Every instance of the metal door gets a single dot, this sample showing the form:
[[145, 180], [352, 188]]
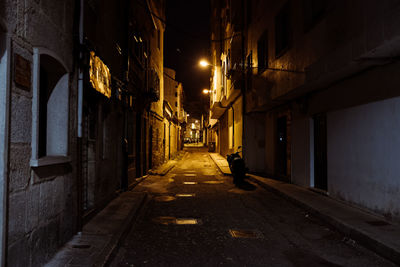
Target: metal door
[[320, 152]]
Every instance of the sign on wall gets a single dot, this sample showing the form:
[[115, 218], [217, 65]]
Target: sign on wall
[[100, 76]]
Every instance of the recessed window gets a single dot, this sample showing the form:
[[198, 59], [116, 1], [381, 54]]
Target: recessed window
[[282, 30], [51, 107], [262, 52]]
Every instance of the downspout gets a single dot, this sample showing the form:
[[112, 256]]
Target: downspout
[[243, 87], [80, 77], [80, 4], [125, 142], [6, 100], [233, 128]]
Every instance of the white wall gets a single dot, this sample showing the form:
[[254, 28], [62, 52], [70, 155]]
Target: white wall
[[57, 119], [364, 153]]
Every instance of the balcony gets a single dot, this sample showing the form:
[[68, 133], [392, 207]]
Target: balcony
[[217, 110]]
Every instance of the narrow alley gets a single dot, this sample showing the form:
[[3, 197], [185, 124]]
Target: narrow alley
[[199, 133], [195, 216]]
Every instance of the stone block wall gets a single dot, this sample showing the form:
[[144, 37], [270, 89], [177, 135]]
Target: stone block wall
[[42, 208], [158, 156]]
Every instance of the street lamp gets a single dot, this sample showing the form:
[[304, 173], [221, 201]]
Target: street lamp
[[204, 63], [206, 91]]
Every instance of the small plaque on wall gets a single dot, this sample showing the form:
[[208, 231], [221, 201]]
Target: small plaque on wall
[[22, 72]]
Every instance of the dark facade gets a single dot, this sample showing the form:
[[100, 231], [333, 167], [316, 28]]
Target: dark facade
[[38, 130], [309, 69], [79, 86]]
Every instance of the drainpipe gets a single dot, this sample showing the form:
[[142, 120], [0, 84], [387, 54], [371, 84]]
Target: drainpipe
[[243, 87], [80, 4], [233, 127], [80, 77], [4, 150]]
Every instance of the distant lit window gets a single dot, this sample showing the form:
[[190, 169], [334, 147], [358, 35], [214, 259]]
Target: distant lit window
[[262, 52], [313, 11], [282, 30]]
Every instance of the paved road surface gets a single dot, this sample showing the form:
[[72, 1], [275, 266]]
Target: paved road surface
[[274, 231]]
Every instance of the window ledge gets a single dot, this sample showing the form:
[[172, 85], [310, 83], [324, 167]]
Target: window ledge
[[49, 160]]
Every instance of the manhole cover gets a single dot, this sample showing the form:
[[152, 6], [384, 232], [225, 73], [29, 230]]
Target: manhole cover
[[189, 182], [378, 223], [245, 233], [213, 182], [168, 220], [187, 221], [164, 198], [185, 195]]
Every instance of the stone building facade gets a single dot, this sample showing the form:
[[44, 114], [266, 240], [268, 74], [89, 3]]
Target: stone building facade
[[104, 104], [173, 95], [226, 96], [319, 106], [81, 115], [39, 130]]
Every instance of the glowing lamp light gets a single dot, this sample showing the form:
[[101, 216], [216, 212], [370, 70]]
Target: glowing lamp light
[[206, 91], [204, 63]]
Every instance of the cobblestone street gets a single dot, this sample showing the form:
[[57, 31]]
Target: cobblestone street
[[195, 216]]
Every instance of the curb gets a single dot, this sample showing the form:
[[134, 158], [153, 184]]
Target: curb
[[166, 171], [161, 172], [112, 247], [219, 168], [354, 233]]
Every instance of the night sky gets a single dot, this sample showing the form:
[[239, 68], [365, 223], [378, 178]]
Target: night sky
[[187, 40]]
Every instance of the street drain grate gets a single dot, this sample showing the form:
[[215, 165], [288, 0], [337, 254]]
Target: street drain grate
[[164, 198], [168, 220], [245, 233], [213, 182], [185, 195], [189, 182], [378, 223]]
